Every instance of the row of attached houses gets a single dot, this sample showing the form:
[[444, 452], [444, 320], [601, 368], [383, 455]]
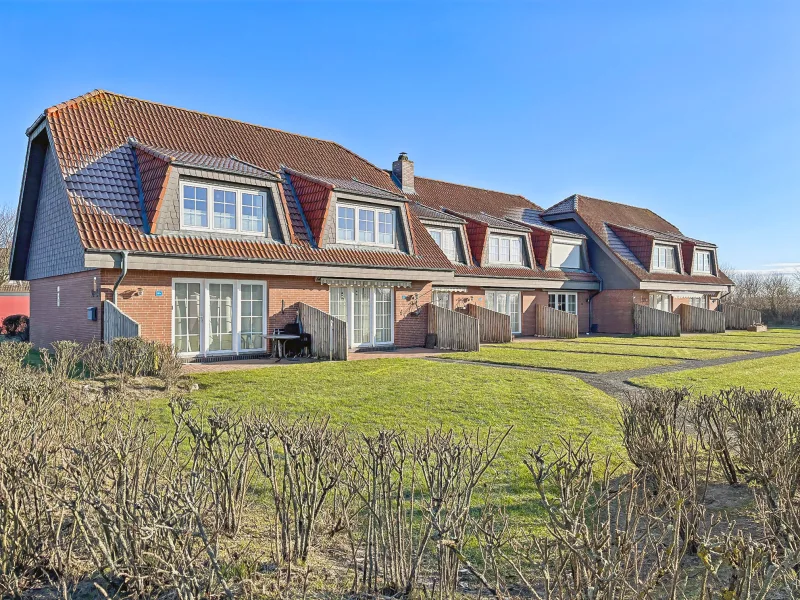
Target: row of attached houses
[[209, 232]]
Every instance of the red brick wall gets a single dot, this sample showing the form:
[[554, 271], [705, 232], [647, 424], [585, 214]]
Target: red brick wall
[[473, 295], [154, 313], [612, 310], [531, 298], [50, 322], [411, 315]]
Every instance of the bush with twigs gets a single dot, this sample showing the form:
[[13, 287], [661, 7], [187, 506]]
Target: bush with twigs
[[96, 495]]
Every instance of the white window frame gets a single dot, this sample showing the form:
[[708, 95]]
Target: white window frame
[[491, 304], [440, 294], [205, 321], [372, 318], [554, 301], [674, 253], [699, 301], [500, 239], [442, 231], [696, 268], [210, 187], [376, 210], [658, 298]]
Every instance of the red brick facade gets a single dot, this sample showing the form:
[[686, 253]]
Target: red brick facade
[[59, 305], [612, 310], [59, 309], [137, 298]]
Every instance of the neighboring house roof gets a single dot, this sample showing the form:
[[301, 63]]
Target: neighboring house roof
[[430, 214], [629, 232], [91, 137], [464, 198], [15, 287], [490, 221]]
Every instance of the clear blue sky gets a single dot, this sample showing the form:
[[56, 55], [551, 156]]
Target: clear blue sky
[[691, 109]]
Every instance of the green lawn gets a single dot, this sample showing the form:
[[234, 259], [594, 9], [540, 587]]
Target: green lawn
[[415, 394], [718, 341], [624, 349], [568, 361], [781, 372]]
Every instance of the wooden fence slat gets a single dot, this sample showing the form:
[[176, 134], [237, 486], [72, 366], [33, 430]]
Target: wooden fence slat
[[116, 324], [700, 320], [738, 317], [328, 334], [454, 330], [495, 327], [554, 323], [651, 321]]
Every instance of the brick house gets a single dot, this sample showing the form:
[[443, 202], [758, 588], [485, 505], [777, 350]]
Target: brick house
[[210, 231], [641, 259]]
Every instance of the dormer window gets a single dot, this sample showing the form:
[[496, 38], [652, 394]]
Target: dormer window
[[664, 258], [565, 253], [356, 224], [446, 240], [232, 210], [505, 249], [702, 261]]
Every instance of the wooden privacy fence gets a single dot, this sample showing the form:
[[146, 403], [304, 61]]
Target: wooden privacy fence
[[328, 334], [453, 330], [554, 323], [738, 317], [651, 321], [700, 320], [116, 324], [495, 327]]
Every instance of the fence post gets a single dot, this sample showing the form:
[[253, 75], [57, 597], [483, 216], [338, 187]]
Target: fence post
[[330, 340]]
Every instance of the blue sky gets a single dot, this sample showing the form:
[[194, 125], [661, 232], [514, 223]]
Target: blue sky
[[691, 109]]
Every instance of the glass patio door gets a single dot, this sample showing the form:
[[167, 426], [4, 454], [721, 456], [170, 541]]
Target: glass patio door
[[220, 317], [368, 312], [508, 303], [188, 297], [362, 322]]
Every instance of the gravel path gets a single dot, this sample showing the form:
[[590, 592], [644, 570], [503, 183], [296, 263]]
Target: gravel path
[[617, 383]]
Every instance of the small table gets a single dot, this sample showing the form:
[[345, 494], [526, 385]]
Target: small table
[[281, 339]]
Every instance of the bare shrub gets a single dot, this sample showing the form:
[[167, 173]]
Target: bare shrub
[[221, 453], [168, 365], [13, 354], [767, 429], [303, 460], [713, 421]]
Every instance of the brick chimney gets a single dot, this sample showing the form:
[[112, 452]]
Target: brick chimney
[[403, 170]]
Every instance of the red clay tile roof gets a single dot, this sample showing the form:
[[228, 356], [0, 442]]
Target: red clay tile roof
[[15, 287], [463, 198], [426, 212], [90, 136], [315, 200], [154, 175], [524, 273], [610, 220]]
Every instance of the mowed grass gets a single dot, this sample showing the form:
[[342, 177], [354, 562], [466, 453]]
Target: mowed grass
[[716, 341], [414, 394], [567, 361], [778, 372], [624, 349]]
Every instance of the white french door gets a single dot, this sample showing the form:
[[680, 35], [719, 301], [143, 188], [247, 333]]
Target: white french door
[[508, 303], [368, 312], [219, 316]]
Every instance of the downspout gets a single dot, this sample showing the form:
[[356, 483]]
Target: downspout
[[591, 315], [124, 255]]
